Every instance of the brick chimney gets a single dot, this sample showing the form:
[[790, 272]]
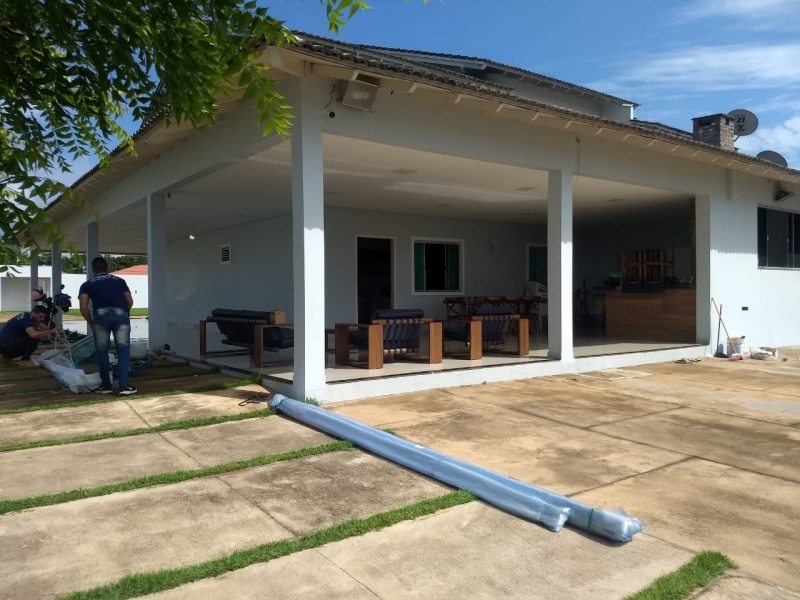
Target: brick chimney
[[716, 130]]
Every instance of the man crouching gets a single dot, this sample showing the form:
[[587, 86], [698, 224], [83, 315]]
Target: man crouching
[[20, 336]]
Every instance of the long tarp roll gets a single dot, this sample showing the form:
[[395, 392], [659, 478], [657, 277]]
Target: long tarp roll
[[522, 499], [423, 460]]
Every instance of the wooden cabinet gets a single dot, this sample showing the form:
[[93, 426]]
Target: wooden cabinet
[[669, 316]]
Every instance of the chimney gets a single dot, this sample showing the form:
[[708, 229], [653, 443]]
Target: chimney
[[716, 130]]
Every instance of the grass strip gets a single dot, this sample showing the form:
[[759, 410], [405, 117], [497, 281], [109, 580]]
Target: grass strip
[[698, 572], [7, 506], [211, 387], [171, 426], [142, 584], [151, 377]]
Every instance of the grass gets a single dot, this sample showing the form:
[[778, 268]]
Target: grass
[[173, 425], [696, 573], [151, 377], [139, 312], [7, 506], [142, 584], [211, 387]]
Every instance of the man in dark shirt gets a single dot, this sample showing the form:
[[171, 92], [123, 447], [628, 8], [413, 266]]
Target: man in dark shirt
[[20, 336], [111, 304]]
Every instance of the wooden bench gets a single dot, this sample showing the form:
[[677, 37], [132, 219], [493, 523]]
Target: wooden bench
[[250, 330]]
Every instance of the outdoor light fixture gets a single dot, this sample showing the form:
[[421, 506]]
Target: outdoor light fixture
[[358, 94], [191, 237]]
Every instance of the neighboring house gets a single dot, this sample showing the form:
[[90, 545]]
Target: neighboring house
[[136, 278], [411, 177], [16, 286]]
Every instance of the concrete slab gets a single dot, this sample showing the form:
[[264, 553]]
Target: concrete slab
[[559, 457], [307, 575], [67, 422], [79, 545], [62, 468], [764, 406], [763, 447], [703, 505], [308, 494], [736, 587], [385, 411], [199, 405], [568, 402], [474, 551], [228, 442]]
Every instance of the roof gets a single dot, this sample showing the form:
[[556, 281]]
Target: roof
[[398, 64], [134, 270], [477, 63]]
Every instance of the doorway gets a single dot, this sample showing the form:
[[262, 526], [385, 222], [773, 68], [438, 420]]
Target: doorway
[[375, 274]]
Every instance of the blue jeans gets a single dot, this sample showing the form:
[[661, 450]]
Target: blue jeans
[[108, 321]]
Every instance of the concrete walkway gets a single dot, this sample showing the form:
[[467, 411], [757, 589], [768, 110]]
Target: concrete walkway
[[706, 454]]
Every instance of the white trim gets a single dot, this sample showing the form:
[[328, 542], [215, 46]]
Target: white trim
[[461, 267], [528, 247], [394, 266]]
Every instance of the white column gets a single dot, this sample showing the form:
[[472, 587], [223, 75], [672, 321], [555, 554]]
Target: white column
[[559, 266], [308, 243], [157, 270], [702, 241], [34, 277], [55, 280], [92, 246]]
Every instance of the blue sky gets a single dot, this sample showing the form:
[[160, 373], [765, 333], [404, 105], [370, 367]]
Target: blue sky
[[679, 59]]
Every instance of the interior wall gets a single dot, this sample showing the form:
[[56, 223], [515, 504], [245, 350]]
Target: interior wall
[[259, 276], [497, 270], [596, 248]]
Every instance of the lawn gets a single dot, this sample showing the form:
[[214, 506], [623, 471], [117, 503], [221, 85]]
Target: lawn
[[72, 315]]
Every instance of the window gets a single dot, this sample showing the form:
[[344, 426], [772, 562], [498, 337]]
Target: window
[[537, 264], [778, 239], [437, 266]]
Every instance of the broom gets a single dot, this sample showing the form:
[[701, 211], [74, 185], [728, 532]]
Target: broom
[[736, 355]]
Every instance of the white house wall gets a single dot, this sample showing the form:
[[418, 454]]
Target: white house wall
[[726, 224]]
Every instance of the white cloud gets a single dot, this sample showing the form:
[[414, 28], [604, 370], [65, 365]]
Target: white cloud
[[783, 138], [758, 9], [702, 69]]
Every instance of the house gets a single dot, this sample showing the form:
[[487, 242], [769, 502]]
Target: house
[[136, 278], [413, 177], [18, 281]]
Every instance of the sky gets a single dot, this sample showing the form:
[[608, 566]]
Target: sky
[[679, 59]]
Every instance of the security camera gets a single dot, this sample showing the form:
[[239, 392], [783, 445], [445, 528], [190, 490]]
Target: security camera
[[329, 113]]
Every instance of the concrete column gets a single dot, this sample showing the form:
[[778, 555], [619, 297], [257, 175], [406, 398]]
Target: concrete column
[[157, 270], [702, 243], [55, 280], [308, 243], [92, 246], [559, 266], [34, 278]]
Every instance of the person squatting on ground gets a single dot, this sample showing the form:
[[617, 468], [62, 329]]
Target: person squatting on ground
[[110, 315], [20, 336]]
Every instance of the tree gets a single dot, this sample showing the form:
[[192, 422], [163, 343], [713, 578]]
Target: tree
[[69, 69]]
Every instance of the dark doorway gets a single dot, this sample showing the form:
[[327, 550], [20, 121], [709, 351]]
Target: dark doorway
[[374, 257]]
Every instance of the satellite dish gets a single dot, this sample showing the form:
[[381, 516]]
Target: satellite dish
[[744, 122], [773, 157]]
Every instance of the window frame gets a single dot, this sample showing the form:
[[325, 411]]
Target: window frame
[[461, 266], [792, 216]]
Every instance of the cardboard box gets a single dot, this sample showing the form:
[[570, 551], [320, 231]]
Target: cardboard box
[[277, 317]]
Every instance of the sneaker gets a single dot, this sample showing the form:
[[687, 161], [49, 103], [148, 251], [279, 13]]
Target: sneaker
[[126, 389], [104, 389]]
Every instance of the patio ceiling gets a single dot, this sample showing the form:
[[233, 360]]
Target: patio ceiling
[[370, 176]]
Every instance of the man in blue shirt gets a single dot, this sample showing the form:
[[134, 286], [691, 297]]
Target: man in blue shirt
[[111, 304], [20, 336]]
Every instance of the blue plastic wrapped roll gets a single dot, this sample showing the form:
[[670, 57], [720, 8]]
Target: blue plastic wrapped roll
[[528, 501], [423, 460]]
